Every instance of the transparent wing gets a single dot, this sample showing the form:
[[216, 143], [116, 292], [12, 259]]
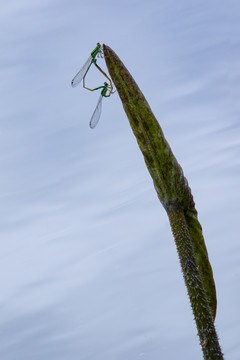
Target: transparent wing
[[97, 113], [79, 76]]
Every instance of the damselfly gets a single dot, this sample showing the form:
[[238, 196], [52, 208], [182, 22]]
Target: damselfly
[[107, 89], [83, 71], [106, 92]]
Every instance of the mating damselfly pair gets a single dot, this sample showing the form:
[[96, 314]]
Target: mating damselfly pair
[[107, 88]]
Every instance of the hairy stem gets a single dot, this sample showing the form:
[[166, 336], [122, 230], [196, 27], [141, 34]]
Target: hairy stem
[[196, 291], [176, 197]]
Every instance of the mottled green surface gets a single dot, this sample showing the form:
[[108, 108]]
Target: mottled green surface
[[171, 186], [196, 291]]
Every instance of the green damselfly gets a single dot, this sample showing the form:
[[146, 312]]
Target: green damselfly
[[107, 89], [106, 92], [83, 71]]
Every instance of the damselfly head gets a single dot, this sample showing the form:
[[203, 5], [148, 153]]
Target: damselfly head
[[100, 51], [105, 90]]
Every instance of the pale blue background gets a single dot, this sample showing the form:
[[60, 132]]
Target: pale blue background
[[88, 266]]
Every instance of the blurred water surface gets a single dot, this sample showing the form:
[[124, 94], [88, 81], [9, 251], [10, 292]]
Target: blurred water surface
[[88, 267]]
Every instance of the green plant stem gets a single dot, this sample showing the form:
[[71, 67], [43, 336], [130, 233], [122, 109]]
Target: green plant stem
[[202, 314], [175, 195]]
